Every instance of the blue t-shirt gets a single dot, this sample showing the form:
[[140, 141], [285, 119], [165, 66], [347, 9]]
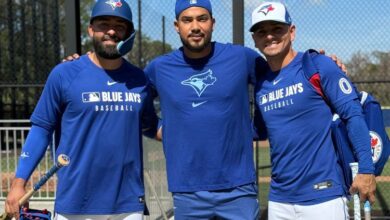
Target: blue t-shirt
[[206, 120], [298, 124], [99, 115]]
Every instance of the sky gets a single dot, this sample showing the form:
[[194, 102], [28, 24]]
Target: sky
[[340, 27]]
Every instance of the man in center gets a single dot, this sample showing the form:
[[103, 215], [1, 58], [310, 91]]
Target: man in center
[[207, 139]]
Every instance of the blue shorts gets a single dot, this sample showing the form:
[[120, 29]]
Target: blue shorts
[[240, 203]]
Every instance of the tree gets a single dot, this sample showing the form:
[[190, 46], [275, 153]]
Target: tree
[[371, 73], [29, 49], [32, 42]]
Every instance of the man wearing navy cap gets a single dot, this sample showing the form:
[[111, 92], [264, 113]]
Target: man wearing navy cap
[[96, 105], [207, 139]]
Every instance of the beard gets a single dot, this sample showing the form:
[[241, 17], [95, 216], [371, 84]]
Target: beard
[[106, 51], [195, 48]]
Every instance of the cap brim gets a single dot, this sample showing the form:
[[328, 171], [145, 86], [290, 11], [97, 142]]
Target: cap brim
[[253, 27]]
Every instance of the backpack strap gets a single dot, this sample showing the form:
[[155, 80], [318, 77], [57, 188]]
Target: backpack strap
[[363, 98], [308, 66], [312, 72]]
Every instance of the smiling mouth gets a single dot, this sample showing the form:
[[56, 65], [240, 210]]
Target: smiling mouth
[[110, 41], [272, 44], [196, 36], [108, 38]]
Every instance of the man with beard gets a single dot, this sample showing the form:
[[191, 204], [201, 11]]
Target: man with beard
[[206, 126], [96, 105]]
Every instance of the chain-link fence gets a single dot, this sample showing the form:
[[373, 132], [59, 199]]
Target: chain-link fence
[[30, 46], [32, 42]]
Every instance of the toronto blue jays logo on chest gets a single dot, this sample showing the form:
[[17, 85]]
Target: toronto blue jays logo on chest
[[200, 82]]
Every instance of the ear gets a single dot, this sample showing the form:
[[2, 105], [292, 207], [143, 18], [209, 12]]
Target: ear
[[254, 39], [90, 30], [176, 24], [213, 20], [292, 32]]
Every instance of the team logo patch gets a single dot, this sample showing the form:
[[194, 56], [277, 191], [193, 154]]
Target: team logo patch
[[25, 154], [91, 97], [263, 99], [266, 8], [345, 86], [114, 4], [200, 82], [376, 146], [193, 2]]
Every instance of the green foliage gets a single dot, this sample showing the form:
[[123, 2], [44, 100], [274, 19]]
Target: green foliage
[[150, 50], [85, 14], [371, 73], [32, 35], [29, 31], [30, 46]]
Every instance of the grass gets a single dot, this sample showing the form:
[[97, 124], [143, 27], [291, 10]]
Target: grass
[[8, 163]]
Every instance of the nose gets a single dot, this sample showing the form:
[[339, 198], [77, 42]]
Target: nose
[[269, 36], [195, 28], [111, 31]]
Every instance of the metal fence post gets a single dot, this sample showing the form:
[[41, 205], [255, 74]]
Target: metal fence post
[[72, 19], [238, 21]]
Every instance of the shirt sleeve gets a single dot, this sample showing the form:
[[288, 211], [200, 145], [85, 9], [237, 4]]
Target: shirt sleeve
[[336, 86], [258, 126], [254, 63], [358, 133], [150, 121], [343, 99], [48, 109], [150, 74]]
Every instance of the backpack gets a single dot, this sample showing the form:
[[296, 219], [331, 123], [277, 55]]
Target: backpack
[[380, 144], [26, 214]]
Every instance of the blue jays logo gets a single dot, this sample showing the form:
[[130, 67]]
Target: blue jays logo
[[200, 82], [193, 2], [266, 8], [376, 146], [114, 4]]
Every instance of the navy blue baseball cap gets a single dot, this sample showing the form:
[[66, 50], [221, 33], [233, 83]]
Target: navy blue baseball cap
[[117, 8], [182, 5]]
